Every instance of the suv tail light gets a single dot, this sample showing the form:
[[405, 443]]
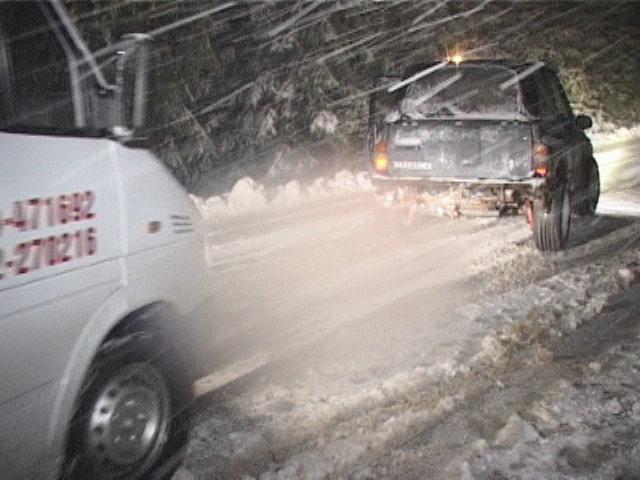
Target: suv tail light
[[380, 160], [540, 159]]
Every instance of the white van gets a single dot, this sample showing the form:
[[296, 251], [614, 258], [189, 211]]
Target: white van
[[102, 260]]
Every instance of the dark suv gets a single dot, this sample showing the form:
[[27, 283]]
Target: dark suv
[[482, 136]]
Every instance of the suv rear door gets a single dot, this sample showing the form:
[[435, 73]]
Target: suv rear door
[[558, 125]]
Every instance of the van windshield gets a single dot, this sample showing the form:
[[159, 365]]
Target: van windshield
[[36, 82]]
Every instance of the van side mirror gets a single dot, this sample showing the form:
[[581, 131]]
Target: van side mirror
[[584, 122], [131, 85]]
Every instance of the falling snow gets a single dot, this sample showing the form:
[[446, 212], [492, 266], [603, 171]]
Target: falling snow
[[456, 350]]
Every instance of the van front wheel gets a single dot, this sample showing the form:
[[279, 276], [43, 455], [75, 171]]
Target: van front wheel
[[124, 417]]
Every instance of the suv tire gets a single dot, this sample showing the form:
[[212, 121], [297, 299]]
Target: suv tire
[[551, 227], [590, 193]]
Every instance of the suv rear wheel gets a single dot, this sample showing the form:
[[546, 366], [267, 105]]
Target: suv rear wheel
[[551, 227], [590, 194]]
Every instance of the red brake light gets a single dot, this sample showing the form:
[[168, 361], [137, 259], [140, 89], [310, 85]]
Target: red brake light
[[540, 159], [380, 160]]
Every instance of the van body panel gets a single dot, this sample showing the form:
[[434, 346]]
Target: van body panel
[[60, 238], [92, 233]]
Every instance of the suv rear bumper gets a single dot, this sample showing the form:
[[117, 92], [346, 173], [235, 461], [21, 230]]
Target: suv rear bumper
[[455, 195]]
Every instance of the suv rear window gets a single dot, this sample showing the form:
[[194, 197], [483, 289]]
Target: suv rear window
[[475, 90]]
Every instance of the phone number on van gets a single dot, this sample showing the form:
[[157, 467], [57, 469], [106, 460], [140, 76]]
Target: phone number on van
[[50, 250]]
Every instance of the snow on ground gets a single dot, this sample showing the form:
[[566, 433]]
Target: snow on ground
[[614, 136], [247, 196], [550, 389], [618, 155], [583, 419]]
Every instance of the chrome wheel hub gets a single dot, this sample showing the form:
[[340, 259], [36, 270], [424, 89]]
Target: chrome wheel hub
[[129, 417]]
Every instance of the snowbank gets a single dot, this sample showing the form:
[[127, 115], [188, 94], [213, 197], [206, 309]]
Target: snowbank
[[601, 138], [248, 196]]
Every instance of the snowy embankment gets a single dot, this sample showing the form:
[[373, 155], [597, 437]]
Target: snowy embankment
[[618, 156], [248, 196], [570, 344]]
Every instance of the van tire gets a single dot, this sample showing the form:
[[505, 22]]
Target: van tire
[[126, 422], [551, 227]]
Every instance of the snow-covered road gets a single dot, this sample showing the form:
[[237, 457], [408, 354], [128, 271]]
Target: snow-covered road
[[619, 161], [341, 352], [321, 282]]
